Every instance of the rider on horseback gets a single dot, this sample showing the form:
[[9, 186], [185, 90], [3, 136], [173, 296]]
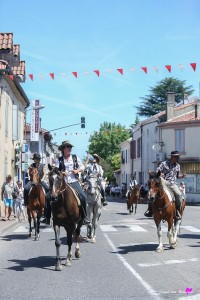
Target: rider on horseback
[[94, 168], [132, 184], [171, 171], [71, 168], [42, 174]]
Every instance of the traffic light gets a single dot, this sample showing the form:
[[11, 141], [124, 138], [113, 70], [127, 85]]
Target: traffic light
[[82, 122]]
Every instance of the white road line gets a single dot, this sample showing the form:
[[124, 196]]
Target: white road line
[[194, 297], [164, 228], [191, 228], [21, 229], [168, 262], [149, 289], [107, 228], [137, 228], [136, 244]]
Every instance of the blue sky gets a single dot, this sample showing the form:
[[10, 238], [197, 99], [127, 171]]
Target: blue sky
[[87, 35]]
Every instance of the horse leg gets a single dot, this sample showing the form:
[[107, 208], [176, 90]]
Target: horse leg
[[29, 220], [58, 266], [90, 216], [176, 230], [135, 207], [170, 233], [160, 247], [69, 243], [77, 235], [37, 235]]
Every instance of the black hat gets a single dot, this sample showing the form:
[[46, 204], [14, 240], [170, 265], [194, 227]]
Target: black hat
[[64, 144], [96, 156], [36, 156], [175, 153]]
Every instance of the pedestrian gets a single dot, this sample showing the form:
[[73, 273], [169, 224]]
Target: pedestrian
[[19, 203], [117, 190], [8, 191], [71, 167], [182, 189]]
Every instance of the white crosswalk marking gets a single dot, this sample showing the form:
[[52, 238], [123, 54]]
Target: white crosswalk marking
[[137, 228], [106, 228], [191, 228], [21, 229]]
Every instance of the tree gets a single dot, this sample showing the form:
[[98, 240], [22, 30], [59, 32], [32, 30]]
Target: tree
[[106, 143], [156, 101], [137, 121]]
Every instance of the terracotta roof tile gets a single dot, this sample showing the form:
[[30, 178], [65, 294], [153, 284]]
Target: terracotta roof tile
[[20, 70], [185, 118], [16, 50], [6, 41]]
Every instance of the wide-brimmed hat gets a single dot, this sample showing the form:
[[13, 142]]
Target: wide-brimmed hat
[[64, 144], [96, 156], [36, 156], [175, 153]]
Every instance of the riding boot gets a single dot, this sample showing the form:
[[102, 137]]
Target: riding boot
[[149, 212], [84, 217], [178, 213], [103, 199]]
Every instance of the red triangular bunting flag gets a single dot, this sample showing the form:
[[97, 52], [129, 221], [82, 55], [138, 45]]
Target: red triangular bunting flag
[[121, 71], [11, 76], [193, 65], [75, 74], [97, 72], [169, 68], [144, 69], [52, 75], [31, 76]]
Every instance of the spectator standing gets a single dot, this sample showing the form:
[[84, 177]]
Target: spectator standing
[[19, 203], [9, 188]]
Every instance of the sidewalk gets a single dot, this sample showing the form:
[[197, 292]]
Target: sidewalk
[[6, 225]]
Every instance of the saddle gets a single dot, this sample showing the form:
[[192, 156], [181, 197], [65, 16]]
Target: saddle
[[76, 194], [169, 191]]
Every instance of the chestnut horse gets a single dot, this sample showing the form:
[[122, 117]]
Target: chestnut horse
[[164, 209], [65, 212], [36, 202], [133, 198]]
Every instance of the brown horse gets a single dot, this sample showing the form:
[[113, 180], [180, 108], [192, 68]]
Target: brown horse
[[65, 211], [133, 198], [36, 202], [164, 209]]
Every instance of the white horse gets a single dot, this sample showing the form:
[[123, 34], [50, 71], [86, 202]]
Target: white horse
[[94, 206]]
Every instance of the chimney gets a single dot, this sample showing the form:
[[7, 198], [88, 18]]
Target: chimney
[[197, 110], [170, 105]]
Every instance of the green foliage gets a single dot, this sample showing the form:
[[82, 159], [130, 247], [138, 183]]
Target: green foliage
[[106, 143], [156, 101], [137, 121]]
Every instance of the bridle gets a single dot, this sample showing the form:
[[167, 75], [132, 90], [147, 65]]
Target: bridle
[[158, 184]]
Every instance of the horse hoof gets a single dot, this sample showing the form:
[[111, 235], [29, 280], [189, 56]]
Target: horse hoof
[[93, 240], [159, 249], [77, 254], [68, 263], [58, 268]]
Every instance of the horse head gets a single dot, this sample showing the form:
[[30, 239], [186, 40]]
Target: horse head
[[56, 180], [92, 184], [34, 176]]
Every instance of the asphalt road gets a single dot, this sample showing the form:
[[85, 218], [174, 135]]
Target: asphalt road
[[122, 264]]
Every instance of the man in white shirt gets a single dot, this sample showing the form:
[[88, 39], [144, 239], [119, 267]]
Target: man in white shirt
[[71, 166]]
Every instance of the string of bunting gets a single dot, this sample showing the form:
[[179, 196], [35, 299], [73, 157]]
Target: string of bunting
[[94, 132], [145, 69]]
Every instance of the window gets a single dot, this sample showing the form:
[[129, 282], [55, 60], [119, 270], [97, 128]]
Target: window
[[133, 150], [138, 147], [180, 140]]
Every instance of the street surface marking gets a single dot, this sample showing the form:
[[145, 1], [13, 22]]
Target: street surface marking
[[194, 297], [163, 228], [147, 286], [106, 228], [137, 228], [136, 244], [21, 229], [168, 262], [191, 228]]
